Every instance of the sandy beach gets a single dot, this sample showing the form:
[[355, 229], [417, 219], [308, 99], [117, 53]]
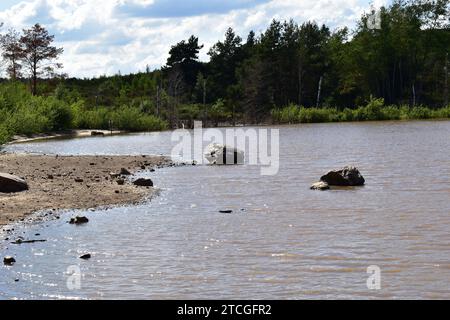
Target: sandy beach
[[71, 182]]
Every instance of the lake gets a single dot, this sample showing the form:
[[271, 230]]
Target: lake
[[282, 241]]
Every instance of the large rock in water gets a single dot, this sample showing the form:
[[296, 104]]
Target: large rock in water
[[10, 183], [224, 155], [142, 182], [349, 176]]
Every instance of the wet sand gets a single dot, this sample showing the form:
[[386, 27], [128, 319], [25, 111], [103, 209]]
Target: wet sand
[[53, 182]]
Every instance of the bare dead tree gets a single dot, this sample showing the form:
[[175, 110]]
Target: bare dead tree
[[319, 92], [446, 81], [176, 86]]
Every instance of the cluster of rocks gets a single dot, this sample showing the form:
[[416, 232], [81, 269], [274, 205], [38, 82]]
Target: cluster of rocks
[[12, 184], [346, 177], [141, 182]]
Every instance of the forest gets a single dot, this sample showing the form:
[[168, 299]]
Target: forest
[[394, 65]]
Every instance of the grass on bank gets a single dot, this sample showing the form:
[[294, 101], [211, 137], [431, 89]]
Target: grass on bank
[[375, 110], [24, 114]]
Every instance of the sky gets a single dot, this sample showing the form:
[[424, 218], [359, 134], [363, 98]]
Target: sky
[[103, 37]]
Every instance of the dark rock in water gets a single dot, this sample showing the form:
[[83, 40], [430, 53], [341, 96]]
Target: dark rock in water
[[21, 241], [226, 211], [85, 256], [349, 176], [320, 186], [11, 184], [8, 261], [97, 133], [142, 182], [79, 220], [125, 172]]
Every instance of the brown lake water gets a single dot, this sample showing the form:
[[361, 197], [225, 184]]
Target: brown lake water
[[282, 241]]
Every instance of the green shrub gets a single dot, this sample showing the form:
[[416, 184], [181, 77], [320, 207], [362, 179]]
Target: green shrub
[[443, 113], [374, 110], [97, 118], [347, 115], [419, 113], [315, 115], [24, 114], [190, 111], [4, 134], [57, 112], [123, 118], [391, 113], [26, 121], [132, 119]]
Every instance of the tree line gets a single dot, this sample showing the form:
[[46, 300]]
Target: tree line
[[396, 56], [399, 54]]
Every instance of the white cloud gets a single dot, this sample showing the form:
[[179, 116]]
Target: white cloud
[[99, 38]]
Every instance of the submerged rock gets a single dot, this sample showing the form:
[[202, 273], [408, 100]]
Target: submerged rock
[[8, 261], [349, 176], [79, 220], [142, 182], [22, 241], [320, 186], [11, 184]]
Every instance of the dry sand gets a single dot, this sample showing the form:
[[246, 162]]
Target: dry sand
[[52, 184]]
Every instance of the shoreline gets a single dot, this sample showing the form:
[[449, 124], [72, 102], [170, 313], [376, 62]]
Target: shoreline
[[69, 134], [53, 183], [84, 133]]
